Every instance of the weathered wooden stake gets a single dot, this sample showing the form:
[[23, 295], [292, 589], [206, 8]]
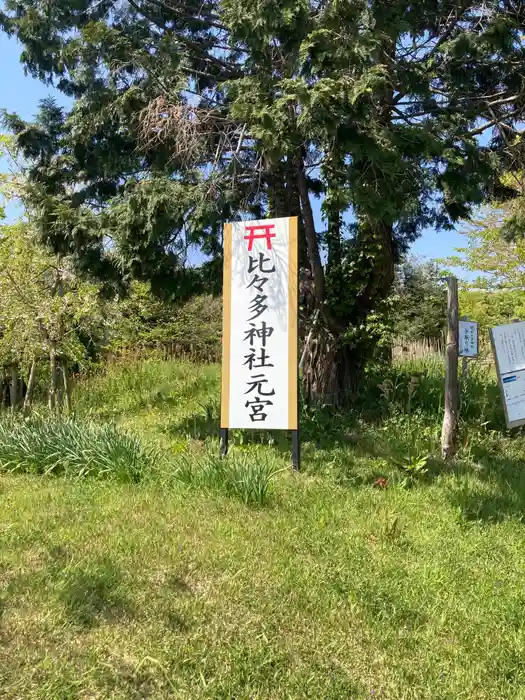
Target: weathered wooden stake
[[53, 389], [14, 388], [449, 433], [30, 387], [464, 360], [67, 385]]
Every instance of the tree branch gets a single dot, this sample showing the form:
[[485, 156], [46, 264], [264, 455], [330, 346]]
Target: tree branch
[[493, 122], [313, 248], [193, 12]]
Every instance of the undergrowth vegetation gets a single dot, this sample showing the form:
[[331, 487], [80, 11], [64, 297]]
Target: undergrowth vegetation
[[73, 449], [246, 478], [159, 420], [378, 571]]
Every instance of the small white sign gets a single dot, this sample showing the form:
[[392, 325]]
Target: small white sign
[[514, 395], [468, 339]]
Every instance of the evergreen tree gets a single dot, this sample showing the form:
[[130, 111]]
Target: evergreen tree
[[419, 304], [189, 114]]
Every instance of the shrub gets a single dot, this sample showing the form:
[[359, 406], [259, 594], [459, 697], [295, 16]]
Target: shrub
[[72, 448], [242, 478]]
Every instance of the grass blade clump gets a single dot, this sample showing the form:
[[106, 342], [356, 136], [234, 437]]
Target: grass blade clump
[[72, 448], [249, 481]]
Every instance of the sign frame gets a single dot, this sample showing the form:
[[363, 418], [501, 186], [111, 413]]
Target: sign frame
[[509, 423], [292, 331], [462, 353]]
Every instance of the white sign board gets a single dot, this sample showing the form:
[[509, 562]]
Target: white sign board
[[468, 339], [514, 394], [508, 344], [259, 367]]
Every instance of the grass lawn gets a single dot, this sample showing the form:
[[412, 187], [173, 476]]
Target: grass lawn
[[334, 589]]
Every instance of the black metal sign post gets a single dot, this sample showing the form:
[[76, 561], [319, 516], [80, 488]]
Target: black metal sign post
[[224, 442], [296, 450]]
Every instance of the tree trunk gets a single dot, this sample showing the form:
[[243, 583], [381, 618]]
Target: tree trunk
[[331, 370], [53, 404], [60, 386], [311, 239], [449, 433], [284, 200], [67, 385], [5, 390], [30, 388], [333, 366], [14, 388]]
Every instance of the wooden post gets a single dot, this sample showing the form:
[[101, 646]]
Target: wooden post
[[464, 360], [14, 388], [53, 405], [67, 385], [449, 433], [30, 387]]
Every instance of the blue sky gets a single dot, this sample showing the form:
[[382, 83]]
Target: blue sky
[[21, 93]]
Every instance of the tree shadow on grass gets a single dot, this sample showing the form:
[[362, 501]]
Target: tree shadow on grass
[[501, 491], [167, 396], [175, 621], [93, 594], [325, 427], [203, 427], [199, 427], [89, 593], [175, 588]]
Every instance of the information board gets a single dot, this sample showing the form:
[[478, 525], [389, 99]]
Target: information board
[[514, 392], [508, 345], [468, 339], [259, 367]]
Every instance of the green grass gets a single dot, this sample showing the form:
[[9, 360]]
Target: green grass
[[337, 588]]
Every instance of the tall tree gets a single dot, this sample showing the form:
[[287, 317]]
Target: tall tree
[[419, 304], [495, 241], [187, 114], [494, 250], [46, 311]]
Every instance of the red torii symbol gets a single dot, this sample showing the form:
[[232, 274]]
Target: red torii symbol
[[253, 236]]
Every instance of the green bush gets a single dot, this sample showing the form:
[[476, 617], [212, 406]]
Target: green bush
[[249, 480], [71, 448]]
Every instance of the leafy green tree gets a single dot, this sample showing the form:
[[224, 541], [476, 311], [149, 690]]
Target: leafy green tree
[[495, 250], [419, 302], [144, 320], [45, 309], [491, 307], [499, 262], [188, 114]]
